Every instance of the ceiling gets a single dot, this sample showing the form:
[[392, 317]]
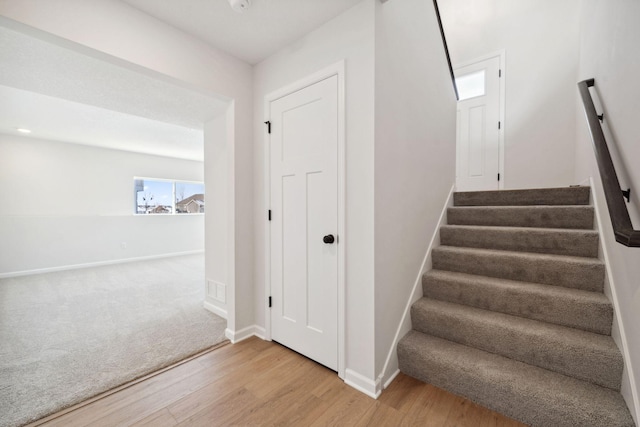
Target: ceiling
[[66, 95], [58, 119], [266, 27]]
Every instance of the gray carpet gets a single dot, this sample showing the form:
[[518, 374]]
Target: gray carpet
[[514, 316], [68, 336]]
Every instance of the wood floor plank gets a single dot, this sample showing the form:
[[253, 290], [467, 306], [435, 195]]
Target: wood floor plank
[[487, 418], [463, 413], [303, 412], [87, 414], [161, 418], [136, 404], [269, 384], [228, 409], [207, 396], [348, 406], [229, 352], [380, 414], [280, 403], [181, 389], [402, 392], [262, 383], [431, 408]]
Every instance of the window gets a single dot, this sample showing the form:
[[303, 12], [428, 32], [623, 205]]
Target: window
[[189, 197], [161, 196], [470, 85]]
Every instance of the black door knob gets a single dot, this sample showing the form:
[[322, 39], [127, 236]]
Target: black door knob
[[328, 239]]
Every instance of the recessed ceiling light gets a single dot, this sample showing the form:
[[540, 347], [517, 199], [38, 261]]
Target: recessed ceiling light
[[23, 130]]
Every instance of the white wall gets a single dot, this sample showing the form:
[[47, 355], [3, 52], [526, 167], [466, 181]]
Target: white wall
[[542, 52], [219, 228], [609, 53], [69, 204], [350, 36], [414, 156], [120, 33]]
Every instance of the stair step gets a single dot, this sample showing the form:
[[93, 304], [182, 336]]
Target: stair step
[[573, 217], [589, 311], [582, 243], [580, 354], [532, 395], [539, 196], [558, 270]]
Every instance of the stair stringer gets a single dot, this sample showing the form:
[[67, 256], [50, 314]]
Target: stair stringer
[[629, 389], [390, 369]]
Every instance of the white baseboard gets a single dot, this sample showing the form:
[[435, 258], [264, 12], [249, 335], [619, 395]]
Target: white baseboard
[[363, 384], [390, 369], [215, 309], [634, 405], [244, 333], [95, 264]]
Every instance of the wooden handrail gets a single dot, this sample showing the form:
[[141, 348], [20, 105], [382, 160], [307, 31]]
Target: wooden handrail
[[622, 227], [446, 49]]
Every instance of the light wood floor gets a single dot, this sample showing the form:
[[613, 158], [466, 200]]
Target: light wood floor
[[260, 383]]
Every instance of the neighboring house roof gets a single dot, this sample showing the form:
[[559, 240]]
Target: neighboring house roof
[[198, 197], [160, 209]]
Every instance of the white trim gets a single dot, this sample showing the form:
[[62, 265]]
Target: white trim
[[501, 54], [616, 305], [416, 293], [244, 333], [174, 205], [362, 383], [95, 264], [336, 69], [267, 228], [230, 134], [215, 309], [258, 331]]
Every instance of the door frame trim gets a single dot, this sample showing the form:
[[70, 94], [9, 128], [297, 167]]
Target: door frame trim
[[501, 54], [336, 69]]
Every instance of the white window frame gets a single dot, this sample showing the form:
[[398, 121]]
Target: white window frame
[[174, 183]]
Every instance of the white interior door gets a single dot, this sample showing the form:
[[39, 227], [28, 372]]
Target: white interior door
[[304, 209], [478, 126]]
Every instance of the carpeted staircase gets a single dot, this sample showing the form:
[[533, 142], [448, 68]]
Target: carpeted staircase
[[514, 316]]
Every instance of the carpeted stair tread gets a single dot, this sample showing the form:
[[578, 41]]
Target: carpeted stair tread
[[530, 394], [582, 243], [539, 196], [580, 354], [573, 217], [558, 270], [513, 314], [589, 311]]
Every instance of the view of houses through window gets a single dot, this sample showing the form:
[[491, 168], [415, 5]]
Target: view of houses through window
[[160, 196]]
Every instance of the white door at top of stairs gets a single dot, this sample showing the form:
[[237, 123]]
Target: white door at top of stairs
[[478, 126], [303, 174]]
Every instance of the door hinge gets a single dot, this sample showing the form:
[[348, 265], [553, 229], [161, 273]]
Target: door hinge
[[268, 123], [269, 302], [499, 125], [499, 73], [269, 215], [498, 177]]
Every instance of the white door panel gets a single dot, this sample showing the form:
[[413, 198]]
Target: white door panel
[[303, 201], [478, 133]]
